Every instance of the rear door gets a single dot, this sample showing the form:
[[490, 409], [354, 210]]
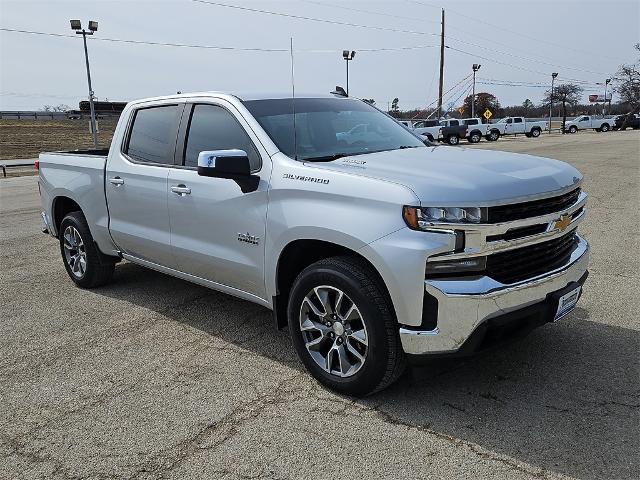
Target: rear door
[[518, 125], [217, 232], [136, 184]]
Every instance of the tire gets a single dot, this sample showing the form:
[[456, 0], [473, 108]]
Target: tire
[[573, 129], [474, 137], [383, 358], [535, 133], [604, 128], [453, 140], [85, 264], [493, 135]]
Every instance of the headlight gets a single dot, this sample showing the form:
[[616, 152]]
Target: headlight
[[447, 267], [421, 218]]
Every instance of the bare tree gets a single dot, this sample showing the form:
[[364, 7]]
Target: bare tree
[[565, 94], [627, 85], [370, 101]]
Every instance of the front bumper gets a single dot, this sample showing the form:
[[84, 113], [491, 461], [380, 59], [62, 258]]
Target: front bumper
[[464, 305]]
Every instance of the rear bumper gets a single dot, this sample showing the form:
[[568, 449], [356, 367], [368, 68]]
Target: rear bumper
[[468, 308]]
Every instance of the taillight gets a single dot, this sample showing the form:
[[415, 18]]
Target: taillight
[[36, 165]]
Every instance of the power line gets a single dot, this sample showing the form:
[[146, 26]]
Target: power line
[[359, 10], [313, 19], [513, 32], [215, 47]]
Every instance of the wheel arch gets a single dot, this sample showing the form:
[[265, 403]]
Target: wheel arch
[[299, 254], [60, 207]]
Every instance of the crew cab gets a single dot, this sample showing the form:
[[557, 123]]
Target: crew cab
[[442, 130], [373, 253], [630, 120], [585, 122], [475, 128], [516, 125]]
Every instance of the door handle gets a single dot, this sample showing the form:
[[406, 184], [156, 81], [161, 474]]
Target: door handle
[[181, 190], [117, 181]]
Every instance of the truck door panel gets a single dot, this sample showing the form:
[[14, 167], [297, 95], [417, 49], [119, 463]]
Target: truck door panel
[[217, 232], [136, 185]]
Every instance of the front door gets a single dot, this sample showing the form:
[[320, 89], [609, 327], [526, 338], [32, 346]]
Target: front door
[[518, 125], [137, 185], [217, 232]]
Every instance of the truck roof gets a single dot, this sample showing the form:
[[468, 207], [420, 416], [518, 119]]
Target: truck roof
[[243, 96]]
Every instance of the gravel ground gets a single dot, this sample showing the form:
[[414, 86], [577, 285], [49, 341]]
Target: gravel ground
[[152, 377]]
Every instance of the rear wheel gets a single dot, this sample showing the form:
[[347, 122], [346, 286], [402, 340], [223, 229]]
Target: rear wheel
[[474, 137], [343, 327], [535, 133], [85, 264]]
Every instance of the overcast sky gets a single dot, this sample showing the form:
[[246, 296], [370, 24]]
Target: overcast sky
[[520, 42]]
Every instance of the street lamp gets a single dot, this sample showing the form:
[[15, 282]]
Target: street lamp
[[93, 27], [348, 56], [604, 105], [553, 78], [475, 67]]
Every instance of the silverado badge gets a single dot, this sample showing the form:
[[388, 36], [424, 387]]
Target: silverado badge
[[562, 223]]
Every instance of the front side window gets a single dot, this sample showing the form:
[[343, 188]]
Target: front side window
[[329, 128], [214, 128], [153, 134], [473, 121]]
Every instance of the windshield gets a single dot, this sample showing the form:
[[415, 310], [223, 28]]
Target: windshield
[[502, 120], [329, 128]]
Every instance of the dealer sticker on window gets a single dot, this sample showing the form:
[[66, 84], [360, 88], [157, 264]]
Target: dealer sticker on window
[[567, 303]]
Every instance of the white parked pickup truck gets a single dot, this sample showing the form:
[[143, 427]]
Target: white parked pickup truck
[[584, 122], [514, 126], [372, 252]]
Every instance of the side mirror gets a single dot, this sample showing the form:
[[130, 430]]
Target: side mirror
[[224, 163]]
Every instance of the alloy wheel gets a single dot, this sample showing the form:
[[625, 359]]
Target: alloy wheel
[[74, 251]]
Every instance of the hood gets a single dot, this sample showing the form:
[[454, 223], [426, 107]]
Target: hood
[[454, 176]]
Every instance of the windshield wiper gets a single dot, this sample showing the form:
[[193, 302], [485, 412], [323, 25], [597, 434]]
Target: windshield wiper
[[402, 147], [326, 158]]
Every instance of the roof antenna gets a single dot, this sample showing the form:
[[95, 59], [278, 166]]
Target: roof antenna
[[293, 102]]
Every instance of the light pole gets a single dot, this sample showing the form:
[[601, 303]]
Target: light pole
[[93, 27], [348, 56], [604, 104], [475, 67], [553, 78]]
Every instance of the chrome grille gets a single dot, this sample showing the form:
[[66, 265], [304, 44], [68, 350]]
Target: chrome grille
[[535, 208]]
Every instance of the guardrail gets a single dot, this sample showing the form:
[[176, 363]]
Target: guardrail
[[22, 163]]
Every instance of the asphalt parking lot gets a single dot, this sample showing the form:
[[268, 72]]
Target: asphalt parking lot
[[152, 377]]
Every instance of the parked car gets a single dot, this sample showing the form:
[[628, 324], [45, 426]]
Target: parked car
[[516, 125], [584, 122], [449, 132], [634, 122], [475, 128], [371, 254]]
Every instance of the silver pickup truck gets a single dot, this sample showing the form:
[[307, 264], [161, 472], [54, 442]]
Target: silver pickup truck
[[372, 252]]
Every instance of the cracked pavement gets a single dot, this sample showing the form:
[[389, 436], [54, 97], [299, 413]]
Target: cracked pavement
[[154, 378]]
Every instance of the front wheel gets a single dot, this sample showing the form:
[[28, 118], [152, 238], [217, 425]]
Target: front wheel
[[573, 129], [85, 264], [493, 135], [474, 137], [453, 140], [604, 128], [343, 327]]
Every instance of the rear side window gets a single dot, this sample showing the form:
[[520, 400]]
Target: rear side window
[[214, 128], [517, 120], [473, 121], [153, 134]]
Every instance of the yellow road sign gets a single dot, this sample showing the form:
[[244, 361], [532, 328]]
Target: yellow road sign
[[487, 114], [461, 110]]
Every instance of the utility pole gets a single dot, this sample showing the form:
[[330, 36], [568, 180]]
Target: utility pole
[[475, 67], [553, 78], [441, 68], [93, 27], [604, 104]]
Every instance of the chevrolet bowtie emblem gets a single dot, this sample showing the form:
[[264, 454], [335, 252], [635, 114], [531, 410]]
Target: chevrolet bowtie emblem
[[562, 223]]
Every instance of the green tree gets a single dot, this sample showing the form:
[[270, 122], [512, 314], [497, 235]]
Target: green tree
[[565, 94], [527, 104]]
